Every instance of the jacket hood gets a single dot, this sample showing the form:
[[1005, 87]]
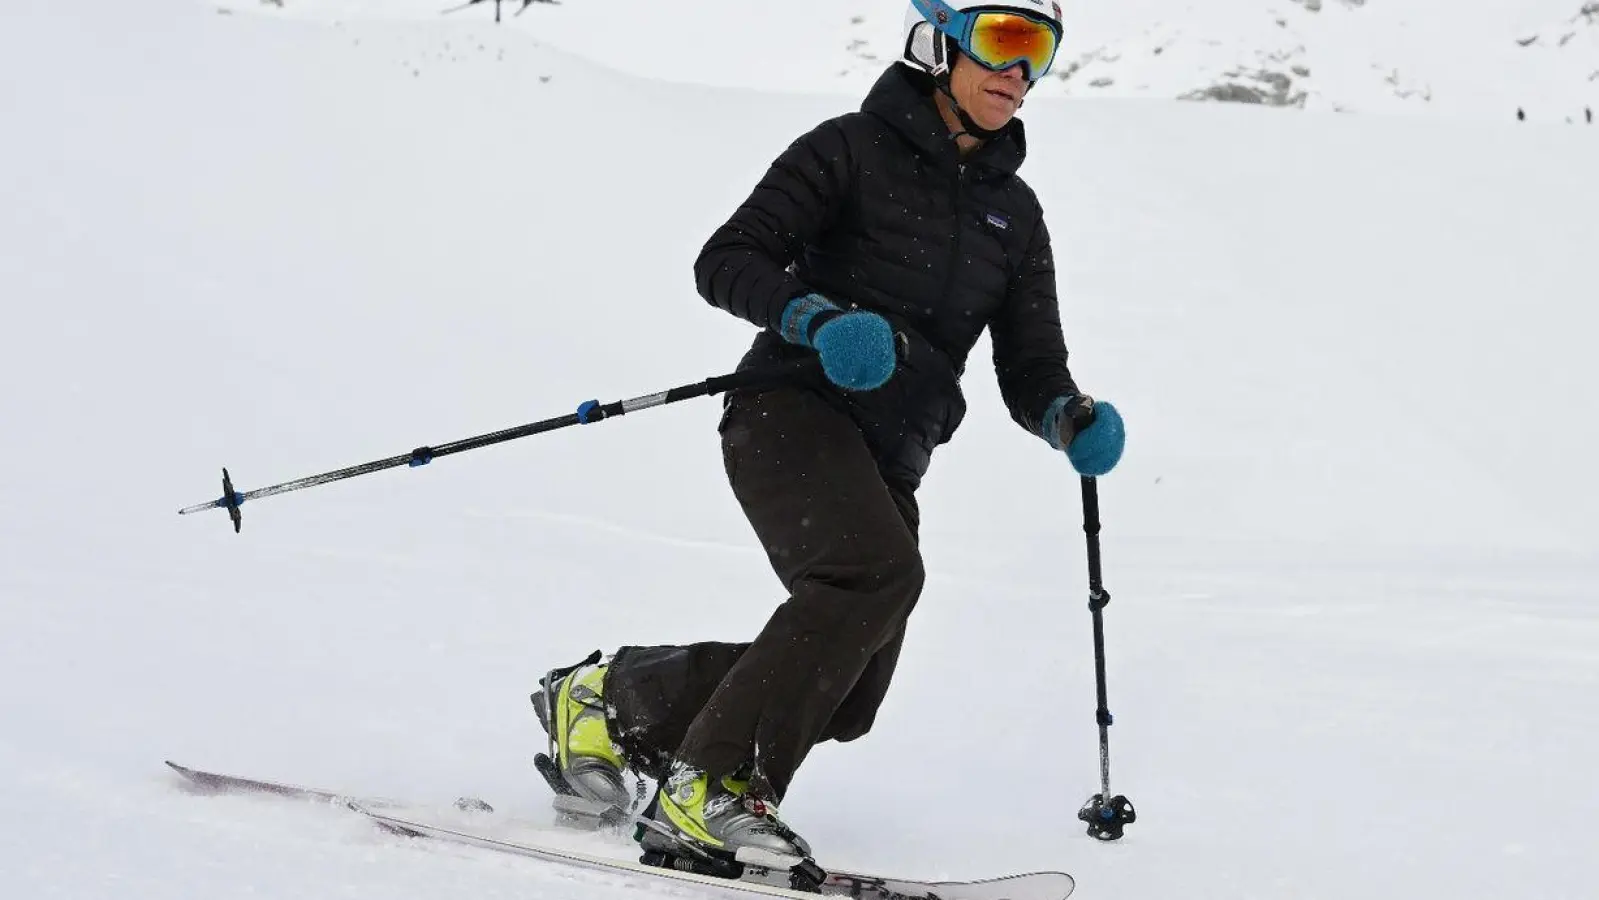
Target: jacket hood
[[903, 98]]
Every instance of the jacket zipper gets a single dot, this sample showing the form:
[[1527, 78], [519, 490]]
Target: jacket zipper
[[955, 248]]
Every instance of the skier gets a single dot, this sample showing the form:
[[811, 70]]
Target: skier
[[883, 242]]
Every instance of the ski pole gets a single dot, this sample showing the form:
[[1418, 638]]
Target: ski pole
[[587, 414], [1105, 815]]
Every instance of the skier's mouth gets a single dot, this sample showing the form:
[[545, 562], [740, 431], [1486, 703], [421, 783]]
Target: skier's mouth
[[1002, 95]]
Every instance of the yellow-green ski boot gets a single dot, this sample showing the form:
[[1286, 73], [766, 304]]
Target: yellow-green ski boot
[[718, 824], [584, 766]]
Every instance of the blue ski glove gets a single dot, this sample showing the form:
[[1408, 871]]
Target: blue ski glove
[[856, 347], [1091, 433]]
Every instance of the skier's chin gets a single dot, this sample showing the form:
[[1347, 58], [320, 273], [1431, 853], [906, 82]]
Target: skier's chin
[[994, 114]]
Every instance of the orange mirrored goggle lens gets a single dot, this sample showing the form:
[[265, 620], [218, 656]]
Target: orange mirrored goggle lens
[[1001, 40]]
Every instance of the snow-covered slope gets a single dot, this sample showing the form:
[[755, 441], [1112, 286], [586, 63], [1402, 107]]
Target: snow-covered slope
[[1475, 59], [1388, 56], [1352, 545]]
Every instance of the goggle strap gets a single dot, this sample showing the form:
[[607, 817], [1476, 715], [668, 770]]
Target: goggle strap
[[945, 18]]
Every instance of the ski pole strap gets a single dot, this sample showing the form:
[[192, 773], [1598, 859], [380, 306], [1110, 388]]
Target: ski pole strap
[[557, 674]]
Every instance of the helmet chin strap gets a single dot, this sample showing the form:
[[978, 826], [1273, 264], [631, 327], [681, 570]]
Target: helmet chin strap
[[967, 122]]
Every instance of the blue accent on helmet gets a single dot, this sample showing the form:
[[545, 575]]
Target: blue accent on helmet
[[945, 18], [958, 26]]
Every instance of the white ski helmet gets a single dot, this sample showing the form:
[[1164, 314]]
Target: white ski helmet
[[935, 29]]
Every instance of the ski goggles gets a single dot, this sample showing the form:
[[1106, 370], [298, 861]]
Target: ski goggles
[[997, 38]]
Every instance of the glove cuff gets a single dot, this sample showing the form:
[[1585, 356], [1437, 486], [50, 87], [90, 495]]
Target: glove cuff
[[799, 317], [1059, 424]]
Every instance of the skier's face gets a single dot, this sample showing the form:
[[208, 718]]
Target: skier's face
[[990, 98]]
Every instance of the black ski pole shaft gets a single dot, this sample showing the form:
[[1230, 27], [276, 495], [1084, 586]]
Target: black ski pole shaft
[[1105, 815], [587, 414], [1098, 597]]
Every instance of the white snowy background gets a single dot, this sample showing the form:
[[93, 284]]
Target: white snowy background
[[1477, 59], [1353, 641]]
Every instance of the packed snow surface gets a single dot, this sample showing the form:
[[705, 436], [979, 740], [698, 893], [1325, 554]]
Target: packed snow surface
[[1353, 642]]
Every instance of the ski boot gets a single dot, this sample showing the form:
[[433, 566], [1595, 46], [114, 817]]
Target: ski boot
[[584, 766], [716, 827]]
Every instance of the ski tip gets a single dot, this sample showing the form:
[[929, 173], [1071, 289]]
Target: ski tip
[[193, 776]]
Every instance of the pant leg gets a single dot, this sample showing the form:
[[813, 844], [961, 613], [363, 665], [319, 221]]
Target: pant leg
[[653, 694], [839, 540], [656, 693], [854, 717]]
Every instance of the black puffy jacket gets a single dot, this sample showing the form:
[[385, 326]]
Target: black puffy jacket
[[876, 209]]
